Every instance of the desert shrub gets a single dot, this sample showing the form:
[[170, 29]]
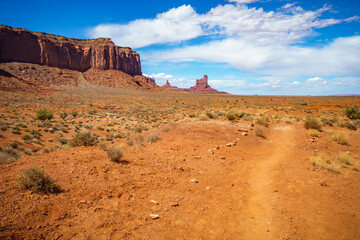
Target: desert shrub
[[92, 112], [63, 115], [83, 139], [263, 121], [340, 137], [247, 118], [350, 125], [74, 113], [203, 117], [102, 145], [130, 142], [43, 114], [8, 155], [114, 154], [37, 181], [26, 137], [14, 145], [211, 114], [101, 128], [352, 112], [312, 123], [259, 132], [36, 133], [16, 132], [327, 122], [140, 140], [314, 133], [192, 115], [233, 114], [138, 129], [152, 137], [63, 140], [27, 151]]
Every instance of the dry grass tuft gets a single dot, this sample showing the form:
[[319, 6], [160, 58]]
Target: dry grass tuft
[[335, 164], [340, 137], [314, 133], [312, 123], [259, 132]]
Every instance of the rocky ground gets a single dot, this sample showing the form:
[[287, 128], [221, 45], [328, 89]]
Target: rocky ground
[[202, 178]]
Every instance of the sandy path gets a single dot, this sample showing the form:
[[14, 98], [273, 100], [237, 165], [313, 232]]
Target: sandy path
[[259, 214]]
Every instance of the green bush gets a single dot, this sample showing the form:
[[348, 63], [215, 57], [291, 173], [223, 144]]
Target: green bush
[[37, 181], [43, 114], [312, 123], [114, 154], [83, 139], [352, 112]]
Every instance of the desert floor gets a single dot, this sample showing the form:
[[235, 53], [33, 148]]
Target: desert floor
[[259, 176]]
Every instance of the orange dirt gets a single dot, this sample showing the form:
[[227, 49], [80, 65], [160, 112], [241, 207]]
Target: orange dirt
[[256, 188]]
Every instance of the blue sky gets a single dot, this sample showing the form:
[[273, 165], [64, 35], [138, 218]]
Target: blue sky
[[272, 47]]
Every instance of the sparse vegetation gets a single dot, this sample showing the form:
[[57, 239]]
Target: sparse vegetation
[[340, 137], [83, 139], [114, 154], [352, 112], [234, 114], [37, 181], [259, 132], [335, 164], [8, 155], [44, 114], [314, 133], [312, 123]]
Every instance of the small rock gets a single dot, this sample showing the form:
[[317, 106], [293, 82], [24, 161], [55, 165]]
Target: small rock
[[194, 180], [207, 188], [211, 151], [174, 204], [276, 190], [323, 183], [223, 157], [197, 157], [154, 202], [154, 216], [231, 144], [244, 134]]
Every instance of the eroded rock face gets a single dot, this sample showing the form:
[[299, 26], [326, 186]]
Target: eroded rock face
[[21, 45], [201, 86]]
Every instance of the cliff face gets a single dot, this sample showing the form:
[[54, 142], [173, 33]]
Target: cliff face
[[21, 45]]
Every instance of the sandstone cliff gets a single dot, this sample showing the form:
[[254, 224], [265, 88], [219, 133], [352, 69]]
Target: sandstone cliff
[[21, 45]]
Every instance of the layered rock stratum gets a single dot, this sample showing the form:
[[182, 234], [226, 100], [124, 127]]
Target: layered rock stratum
[[35, 60]]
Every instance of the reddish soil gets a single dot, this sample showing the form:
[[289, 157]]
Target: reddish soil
[[261, 188]]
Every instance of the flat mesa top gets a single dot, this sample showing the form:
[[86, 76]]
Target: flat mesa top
[[62, 39]]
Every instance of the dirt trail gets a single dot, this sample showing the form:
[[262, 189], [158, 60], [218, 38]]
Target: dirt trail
[[260, 214]]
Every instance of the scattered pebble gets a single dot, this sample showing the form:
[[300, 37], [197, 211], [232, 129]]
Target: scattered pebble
[[154, 216], [244, 134], [194, 180], [211, 151], [154, 202], [207, 188]]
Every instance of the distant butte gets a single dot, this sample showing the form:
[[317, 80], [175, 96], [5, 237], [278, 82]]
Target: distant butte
[[201, 86]]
